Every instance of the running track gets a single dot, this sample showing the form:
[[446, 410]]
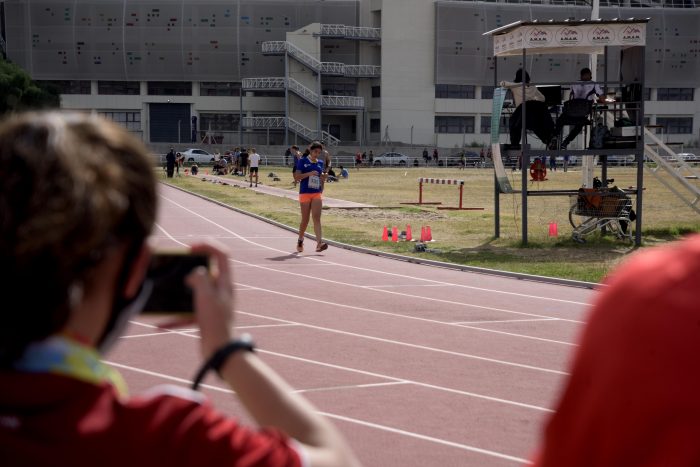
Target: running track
[[417, 365]]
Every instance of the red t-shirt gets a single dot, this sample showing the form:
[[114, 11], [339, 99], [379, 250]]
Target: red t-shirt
[[633, 398], [54, 420]]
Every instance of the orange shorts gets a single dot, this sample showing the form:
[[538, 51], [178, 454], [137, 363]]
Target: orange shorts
[[307, 197]]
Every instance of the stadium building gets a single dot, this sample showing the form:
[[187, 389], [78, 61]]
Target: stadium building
[[356, 72]]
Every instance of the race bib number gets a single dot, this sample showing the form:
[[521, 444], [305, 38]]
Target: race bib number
[[315, 182]]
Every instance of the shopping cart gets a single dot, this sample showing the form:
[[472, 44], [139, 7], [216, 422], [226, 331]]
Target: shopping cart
[[601, 208]]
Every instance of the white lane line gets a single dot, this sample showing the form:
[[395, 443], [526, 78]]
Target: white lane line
[[504, 320], [402, 285], [257, 326], [417, 346], [336, 417], [417, 318], [154, 334], [435, 387], [374, 270], [398, 315], [392, 378], [164, 376], [351, 386], [419, 297], [431, 439], [402, 294]]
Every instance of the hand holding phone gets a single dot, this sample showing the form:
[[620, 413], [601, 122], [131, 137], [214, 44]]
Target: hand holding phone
[[167, 272]]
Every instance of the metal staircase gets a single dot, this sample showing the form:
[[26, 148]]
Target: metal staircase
[[327, 102], [282, 123], [677, 168], [679, 171], [340, 31], [325, 68], [307, 94]]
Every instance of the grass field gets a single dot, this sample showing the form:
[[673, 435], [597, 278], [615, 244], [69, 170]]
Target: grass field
[[466, 237]]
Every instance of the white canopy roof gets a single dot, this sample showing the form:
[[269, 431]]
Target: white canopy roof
[[561, 37]]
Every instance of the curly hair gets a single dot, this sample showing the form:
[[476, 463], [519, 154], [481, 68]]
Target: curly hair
[[72, 186]]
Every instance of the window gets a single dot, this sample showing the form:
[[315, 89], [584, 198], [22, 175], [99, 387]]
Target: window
[[676, 125], [375, 125], [486, 124], [131, 120], [69, 87], [675, 94], [376, 91], [647, 94], [218, 122], [339, 89], [169, 88], [454, 91], [268, 93], [487, 92], [130, 88], [454, 125], [214, 88]]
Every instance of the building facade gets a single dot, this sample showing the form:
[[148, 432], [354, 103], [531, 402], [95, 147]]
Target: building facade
[[353, 72]]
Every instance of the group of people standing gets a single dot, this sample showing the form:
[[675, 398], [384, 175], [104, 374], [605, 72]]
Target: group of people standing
[[173, 161], [244, 161]]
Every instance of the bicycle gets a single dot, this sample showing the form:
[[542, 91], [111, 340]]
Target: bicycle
[[601, 208]]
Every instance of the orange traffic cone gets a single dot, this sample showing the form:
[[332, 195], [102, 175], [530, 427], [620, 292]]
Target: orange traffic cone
[[409, 235], [428, 234], [385, 235], [422, 233], [553, 231], [394, 234]]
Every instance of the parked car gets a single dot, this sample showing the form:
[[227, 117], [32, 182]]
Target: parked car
[[688, 157], [198, 155], [391, 159], [627, 159]]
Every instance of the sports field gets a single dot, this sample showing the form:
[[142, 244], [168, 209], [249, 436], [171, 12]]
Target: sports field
[[416, 365], [466, 237]]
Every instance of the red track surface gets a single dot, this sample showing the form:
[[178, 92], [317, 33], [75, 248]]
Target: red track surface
[[417, 365]]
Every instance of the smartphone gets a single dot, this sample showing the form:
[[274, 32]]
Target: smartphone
[[167, 272]]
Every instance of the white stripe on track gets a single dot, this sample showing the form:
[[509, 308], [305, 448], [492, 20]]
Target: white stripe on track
[[420, 297], [368, 269], [431, 439], [391, 378], [343, 418], [415, 346], [398, 315]]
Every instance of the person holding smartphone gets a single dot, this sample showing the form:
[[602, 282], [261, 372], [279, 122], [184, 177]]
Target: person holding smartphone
[[79, 200], [311, 174]]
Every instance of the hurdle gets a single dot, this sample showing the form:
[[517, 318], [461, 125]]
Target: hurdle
[[443, 181]]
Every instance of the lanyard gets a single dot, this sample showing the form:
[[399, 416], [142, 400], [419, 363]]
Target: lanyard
[[66, 356]]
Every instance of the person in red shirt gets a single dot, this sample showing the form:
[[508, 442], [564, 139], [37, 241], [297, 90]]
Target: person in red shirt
[[78, 200], [632, 397]]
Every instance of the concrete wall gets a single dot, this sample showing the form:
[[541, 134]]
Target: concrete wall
[[408, 69]]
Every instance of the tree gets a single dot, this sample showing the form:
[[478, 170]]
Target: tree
[[19, 92]]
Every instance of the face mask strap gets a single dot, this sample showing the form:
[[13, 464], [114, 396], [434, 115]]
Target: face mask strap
[[124, 308]]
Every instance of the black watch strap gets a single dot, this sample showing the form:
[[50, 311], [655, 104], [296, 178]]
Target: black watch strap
[[216, 361]]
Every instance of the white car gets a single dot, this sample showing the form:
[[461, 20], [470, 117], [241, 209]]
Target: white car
[[198, 155], [391, 159], [688, 157]]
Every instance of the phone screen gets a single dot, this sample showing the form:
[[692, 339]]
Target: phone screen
[[167, 272]]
